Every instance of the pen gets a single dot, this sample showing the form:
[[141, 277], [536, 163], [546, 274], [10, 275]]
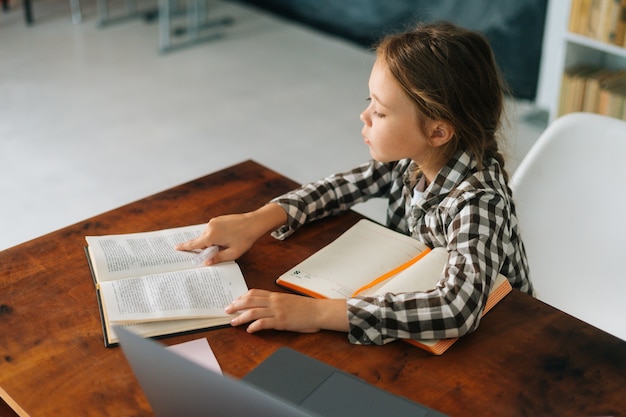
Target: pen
[[205, 255]]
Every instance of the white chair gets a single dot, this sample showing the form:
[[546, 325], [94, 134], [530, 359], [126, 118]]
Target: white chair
[[570, 194]]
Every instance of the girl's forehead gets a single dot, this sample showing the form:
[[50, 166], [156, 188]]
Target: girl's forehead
[[384, 85], [380, 64], [380, 73]]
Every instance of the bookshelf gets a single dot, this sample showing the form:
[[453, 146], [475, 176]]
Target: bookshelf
[[564, 50]]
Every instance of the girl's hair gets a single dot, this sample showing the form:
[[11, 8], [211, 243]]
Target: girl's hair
[[451, 74]]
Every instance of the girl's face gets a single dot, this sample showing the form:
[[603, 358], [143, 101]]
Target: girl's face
[[391, 127]]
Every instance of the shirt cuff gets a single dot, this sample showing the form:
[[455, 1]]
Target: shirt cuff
[[294, 218], [365, 323]]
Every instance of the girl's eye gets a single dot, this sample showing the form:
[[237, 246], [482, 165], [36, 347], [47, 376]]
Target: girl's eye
[[375, 113]]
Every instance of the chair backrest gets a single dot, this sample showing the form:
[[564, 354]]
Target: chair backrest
[[571, 201]]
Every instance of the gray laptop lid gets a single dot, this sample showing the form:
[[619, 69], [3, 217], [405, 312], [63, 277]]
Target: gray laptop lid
[[177, 387], [326, 390], [287, 383]]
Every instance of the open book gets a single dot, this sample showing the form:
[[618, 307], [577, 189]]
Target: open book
[[144, 283], [369, 259]]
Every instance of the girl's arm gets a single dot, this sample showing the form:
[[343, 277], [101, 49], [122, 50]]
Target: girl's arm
[[236, 233], [335, 194], [478, 237], [280, 311]]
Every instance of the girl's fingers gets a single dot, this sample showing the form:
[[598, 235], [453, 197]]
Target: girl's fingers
[[251, 299]]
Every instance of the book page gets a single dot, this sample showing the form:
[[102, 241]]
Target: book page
[[159, 328], [192, 293], [363, 253], [421, 276], [127, 255]]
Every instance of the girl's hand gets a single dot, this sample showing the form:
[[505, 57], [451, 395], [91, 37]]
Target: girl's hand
[[280, 311], [236, 233], [231, 233]]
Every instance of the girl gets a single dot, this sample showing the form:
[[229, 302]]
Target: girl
[[435, 105]]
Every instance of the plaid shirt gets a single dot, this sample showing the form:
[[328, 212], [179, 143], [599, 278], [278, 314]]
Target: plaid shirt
[[468, 211]]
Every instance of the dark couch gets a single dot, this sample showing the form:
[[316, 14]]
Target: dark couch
[[514, 28]]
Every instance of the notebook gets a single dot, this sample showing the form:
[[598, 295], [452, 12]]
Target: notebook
[[287, 383]]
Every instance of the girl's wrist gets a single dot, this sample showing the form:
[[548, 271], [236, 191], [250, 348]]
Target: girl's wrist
[[267, 218], [333, 314]]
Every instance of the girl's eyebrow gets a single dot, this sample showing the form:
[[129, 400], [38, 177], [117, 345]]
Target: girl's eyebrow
[[378, 101]]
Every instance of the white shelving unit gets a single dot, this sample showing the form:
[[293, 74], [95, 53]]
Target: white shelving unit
[[562, 49]]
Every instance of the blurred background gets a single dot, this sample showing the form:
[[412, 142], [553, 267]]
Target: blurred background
[[106, 102]]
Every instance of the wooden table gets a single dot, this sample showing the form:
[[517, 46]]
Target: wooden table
[[526, 359]]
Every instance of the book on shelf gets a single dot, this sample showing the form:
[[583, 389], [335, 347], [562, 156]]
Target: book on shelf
[[143, 282], [573, 88], [593, 89], [603, 20], [612, 94], [370, 259], [620, 30]]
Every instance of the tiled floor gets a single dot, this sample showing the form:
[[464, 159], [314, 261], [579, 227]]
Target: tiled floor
[[92, 118]]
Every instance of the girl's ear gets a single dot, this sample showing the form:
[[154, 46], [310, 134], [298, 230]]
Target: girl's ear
[[441, 132]]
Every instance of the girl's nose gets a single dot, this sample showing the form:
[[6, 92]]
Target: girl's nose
[[364, 118]]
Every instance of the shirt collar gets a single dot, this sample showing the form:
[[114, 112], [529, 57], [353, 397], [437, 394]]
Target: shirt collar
[[452, 174], [448, 178]]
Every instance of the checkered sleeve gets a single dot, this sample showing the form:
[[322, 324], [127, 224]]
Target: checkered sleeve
[[473, 238], [333, 195]]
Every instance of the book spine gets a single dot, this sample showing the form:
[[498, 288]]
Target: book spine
[[298, 289]]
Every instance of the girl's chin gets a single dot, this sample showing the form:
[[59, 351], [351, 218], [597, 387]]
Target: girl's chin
[[377, 157]]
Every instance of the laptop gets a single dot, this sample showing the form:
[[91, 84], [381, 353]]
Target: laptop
[[287, 383]]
